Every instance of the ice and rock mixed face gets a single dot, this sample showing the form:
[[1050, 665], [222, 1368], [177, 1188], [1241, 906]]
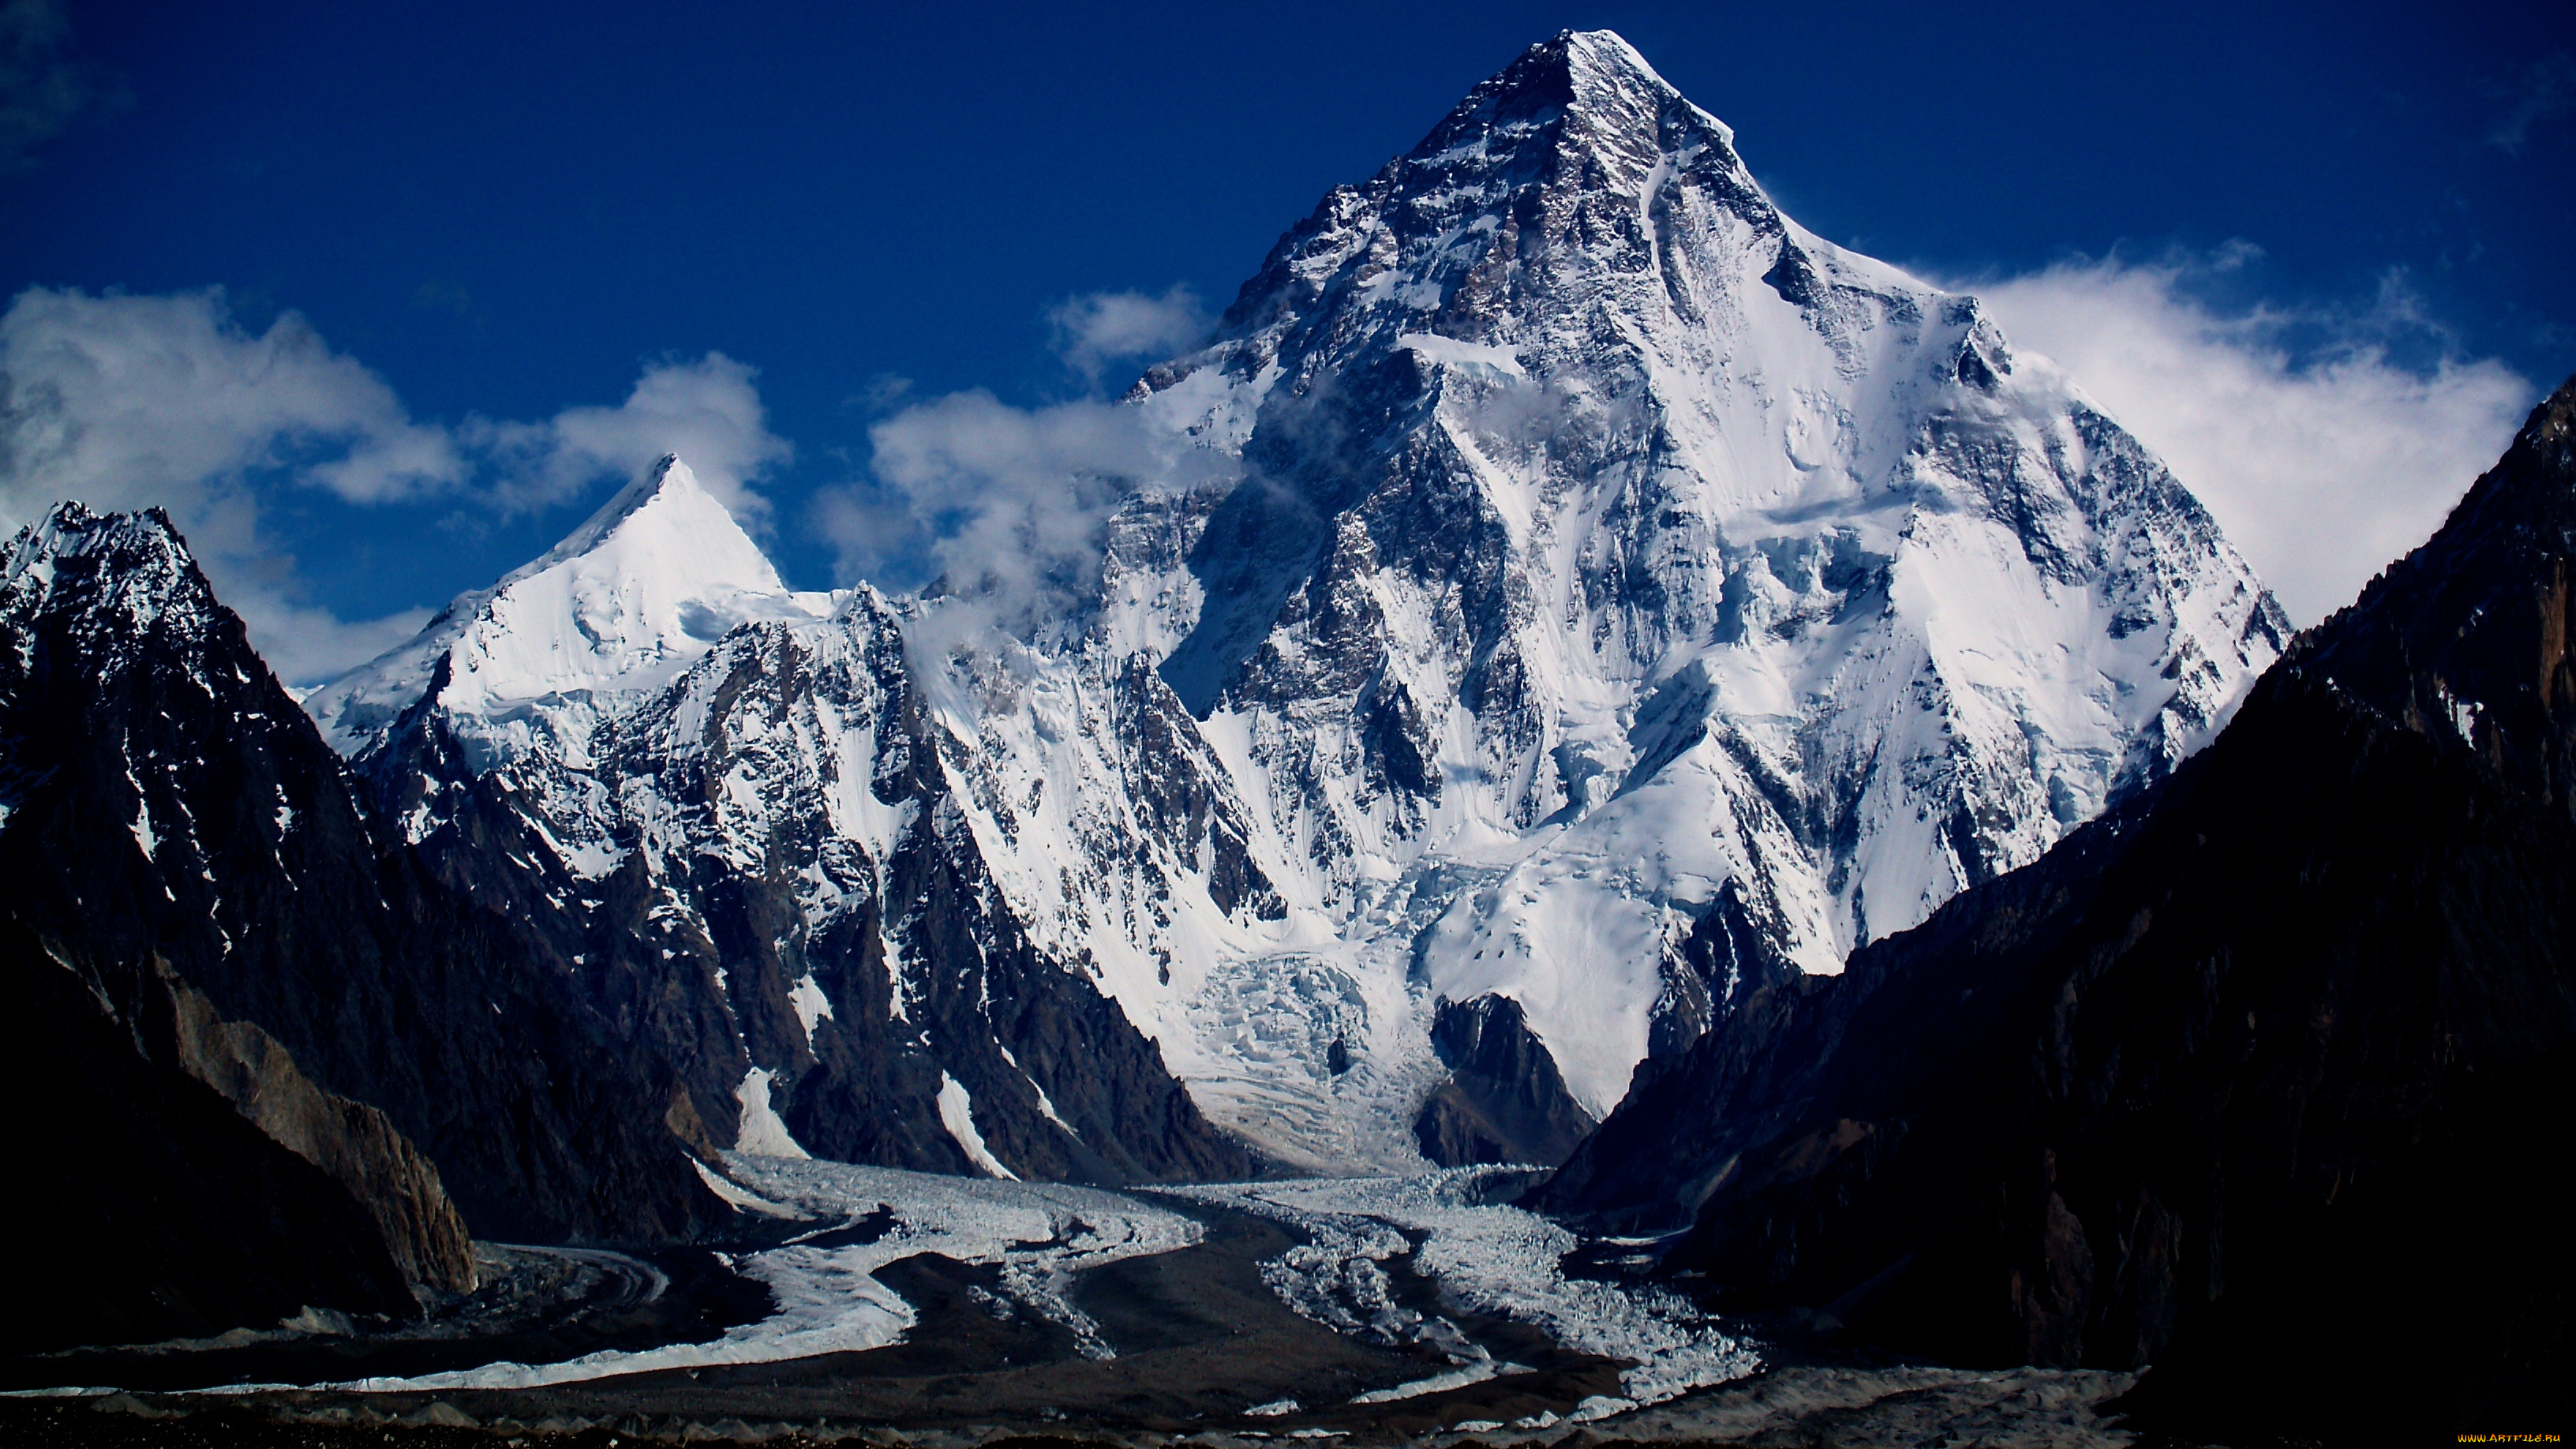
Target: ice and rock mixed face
[[1609, 550], [1612, 590]]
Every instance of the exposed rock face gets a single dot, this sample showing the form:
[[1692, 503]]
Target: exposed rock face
[[383, 1174], [149, 1206], [2239, 1081], [1503, 1101], [1555, 547], [173, 827]]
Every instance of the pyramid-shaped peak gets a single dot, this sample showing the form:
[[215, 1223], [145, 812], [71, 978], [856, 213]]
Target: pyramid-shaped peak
[[626, 601], [1580, 90], [1605, 58], [672, 501], [1578, 69], [1575, 67]]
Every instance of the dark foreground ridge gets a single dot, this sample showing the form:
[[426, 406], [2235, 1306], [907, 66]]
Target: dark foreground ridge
[[2261, 1079], [279, 1064]]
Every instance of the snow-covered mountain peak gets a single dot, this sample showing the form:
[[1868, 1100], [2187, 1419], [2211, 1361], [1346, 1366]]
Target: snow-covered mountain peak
[[1602, 75], [665, 523], [1595, 74], [1623, 543], [1562, 581], [625, 603], [72, 529]]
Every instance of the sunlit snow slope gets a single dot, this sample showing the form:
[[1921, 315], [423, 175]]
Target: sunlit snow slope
[[1610, 583]]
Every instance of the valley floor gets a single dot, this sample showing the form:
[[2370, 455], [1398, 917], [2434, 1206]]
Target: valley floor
[[948, 1312]]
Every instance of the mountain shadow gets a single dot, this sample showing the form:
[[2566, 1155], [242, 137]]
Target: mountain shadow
[[2260, 1079]]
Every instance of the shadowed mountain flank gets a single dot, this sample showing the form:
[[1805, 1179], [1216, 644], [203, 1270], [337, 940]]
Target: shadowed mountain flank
[[2247, 1080]]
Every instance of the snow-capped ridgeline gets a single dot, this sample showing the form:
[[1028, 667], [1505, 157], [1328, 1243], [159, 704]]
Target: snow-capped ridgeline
[[618, 609], [1602, 538]]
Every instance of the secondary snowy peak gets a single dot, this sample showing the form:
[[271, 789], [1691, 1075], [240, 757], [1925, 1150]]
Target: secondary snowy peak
[[619, 608]]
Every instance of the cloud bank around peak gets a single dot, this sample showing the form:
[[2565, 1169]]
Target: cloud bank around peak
[[127, 402], [2322, 458], [1098, 329], [1004, 508]]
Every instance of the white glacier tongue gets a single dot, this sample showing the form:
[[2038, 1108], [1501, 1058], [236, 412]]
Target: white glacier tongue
[[618, 609]]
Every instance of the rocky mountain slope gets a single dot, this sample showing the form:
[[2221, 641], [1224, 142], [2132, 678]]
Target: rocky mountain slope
[[236, 995], [730, 809], [1559, 566], [2253, 1080]]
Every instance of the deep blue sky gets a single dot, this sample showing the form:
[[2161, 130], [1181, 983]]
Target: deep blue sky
[[507, 210]]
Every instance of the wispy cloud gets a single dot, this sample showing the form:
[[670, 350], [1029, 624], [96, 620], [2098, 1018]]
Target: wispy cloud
[[2545, 90], [1098, 329], [118, 400], [166, 401], [708, 411], [2322, 458], [1008, 503], [1004, 507], [45, 88]]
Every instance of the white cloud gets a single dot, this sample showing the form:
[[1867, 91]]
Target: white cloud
[[1003, 507], [306, 645], [2322, 466], [124, 401], [708, 411], [1099, 328], [128, 402], [1012, 500], [1006, 504]]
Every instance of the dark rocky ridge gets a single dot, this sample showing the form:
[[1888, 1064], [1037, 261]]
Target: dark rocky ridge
[[1504, 1100], [178, 832], [2254, 1079]]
